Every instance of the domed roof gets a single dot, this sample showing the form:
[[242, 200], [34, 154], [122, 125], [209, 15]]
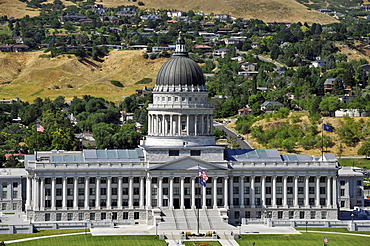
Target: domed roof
[[180, 70]]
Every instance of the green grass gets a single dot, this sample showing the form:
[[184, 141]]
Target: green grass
[[89, 240], [355, 162], [331, 229], [304, 239], [207, 243], [7, 237]]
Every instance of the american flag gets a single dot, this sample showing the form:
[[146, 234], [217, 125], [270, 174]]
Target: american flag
[[39, 128], [202, 177], [325, 240]]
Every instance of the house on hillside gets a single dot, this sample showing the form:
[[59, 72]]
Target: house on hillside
[[73, 17], [222, 17], [319, 62], [270, 106], [329, 84], [221, 52]]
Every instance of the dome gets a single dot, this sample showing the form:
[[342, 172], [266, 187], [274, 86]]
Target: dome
[[180, 70]]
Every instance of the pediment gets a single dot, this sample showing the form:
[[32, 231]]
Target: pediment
[[187, 163]]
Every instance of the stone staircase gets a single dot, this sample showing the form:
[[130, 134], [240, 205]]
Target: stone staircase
[[187, 220]]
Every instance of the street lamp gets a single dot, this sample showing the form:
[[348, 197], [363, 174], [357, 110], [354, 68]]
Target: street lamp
[[352, 217], [306, 226], [156, 229]]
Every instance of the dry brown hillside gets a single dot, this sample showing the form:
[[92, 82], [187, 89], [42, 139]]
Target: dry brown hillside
[[266, 10], [32, 76]]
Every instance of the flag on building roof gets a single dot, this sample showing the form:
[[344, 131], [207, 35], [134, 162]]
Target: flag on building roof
[[325, 240], [327, 128], [202, 177], [40, 128]]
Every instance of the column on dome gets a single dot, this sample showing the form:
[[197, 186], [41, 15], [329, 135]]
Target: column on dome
[[42, 193], [179, 125], [202, 124], [97, 192], [163, 125], [317, 191], [214, 192], [171, 125], [196, 125], [187, 125]]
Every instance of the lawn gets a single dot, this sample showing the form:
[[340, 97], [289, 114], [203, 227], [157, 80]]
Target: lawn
[[304, 239], [355, 162], [89, 240], [331, 229], [210, 243]]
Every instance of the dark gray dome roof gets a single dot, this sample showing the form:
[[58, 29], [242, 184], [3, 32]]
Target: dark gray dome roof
[[180, 71]]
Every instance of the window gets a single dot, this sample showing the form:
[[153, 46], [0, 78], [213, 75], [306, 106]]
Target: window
[[3, 206], [15, 194], [92, 180], [268, 201], [92, 202], [279, 179], [125, 215], [125, 191], [300, 190], [236, 190], [81, 191], [69, 180], [187, 180], [165, 191], [194, 152], [311, 201], [246, 201], [125, 180], [311, 179], [69, 192], [290, 201], [280, 214], [92, 191], [258, 190], [257, 179], [323, 215], [176, 191], [291, 214], [103, 180], [154, 191], [236, 179], [268, 190], [15, 184], [176, 99], [301, 214], [15, 206], [219, 202], [114, 202], [258, 214], [290, 179], [300, 201], [219, 190], [322, 190], [81, 180], [103, 191], [47, 217], [311, 190], [136, 180], [279, 201], [322, 179], [173, 152], [246, 190], [4, 195], [59, 192], [58, 217], [208, 191], [219, 181], [136, 191], [114, 191], [258, 201], [268, 179], [359, 192], [136, 215], [92, 216], [247, 214], [81, 216], [300, 179], [154, 180], [114, 180], [236, 214], [279, 190], [359, 183], [124, 202], [47, 180], [322, 201], [313, 215], [59, 180], [165, 202], [289, 190], [81, 203], [246, 180], [176, 180], [165, 180], [69, 216]]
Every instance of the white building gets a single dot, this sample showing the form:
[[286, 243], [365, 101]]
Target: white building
[[150, 184]]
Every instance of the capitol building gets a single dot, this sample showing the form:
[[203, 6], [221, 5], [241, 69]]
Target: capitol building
[[159, 179]]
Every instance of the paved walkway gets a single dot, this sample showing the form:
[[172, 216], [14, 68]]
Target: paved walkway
[[42, 237]]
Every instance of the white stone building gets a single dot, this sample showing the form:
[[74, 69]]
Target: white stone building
[[149, 184]]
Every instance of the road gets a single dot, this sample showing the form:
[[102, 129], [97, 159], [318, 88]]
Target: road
[[242, 144]]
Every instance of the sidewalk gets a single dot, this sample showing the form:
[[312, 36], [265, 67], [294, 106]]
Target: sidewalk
[[34, 238]]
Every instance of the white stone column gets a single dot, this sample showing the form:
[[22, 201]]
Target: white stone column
[[193, 192], [252, 192], [328, 192], [335, 193], [202, 118], [204, 194], [119, 198], [160, 195], [231, 192], [171, 125], [187, 125], [226, 195], [196, 125], [29, 198], [131, 192], [87, 193], [36, 193], [64, 190], [109, 192], [42, 194], [141, 202], [274, 190], [171, 193], [307, 191], [182, 195], [97, 193], [263, 191], [317, 191], [295, 191], [53, 195], [214, 192], [179, 125], [285, 191], [149, 192], [75, 193]]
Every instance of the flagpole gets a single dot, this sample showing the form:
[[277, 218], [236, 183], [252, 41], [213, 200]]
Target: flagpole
[[322, 142], [198, 202], [37, 143]]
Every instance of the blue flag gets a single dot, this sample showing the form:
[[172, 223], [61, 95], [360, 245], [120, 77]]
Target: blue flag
[[327, 128], [202, 177]]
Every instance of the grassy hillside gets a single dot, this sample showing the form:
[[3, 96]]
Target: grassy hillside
[[32, 76], [266, 10]]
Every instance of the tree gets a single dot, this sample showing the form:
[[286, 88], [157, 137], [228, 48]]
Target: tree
[[330, 104], [365, 149]]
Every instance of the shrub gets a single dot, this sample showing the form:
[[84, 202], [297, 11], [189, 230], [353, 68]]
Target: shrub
[[117, 83], [144, 81]]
